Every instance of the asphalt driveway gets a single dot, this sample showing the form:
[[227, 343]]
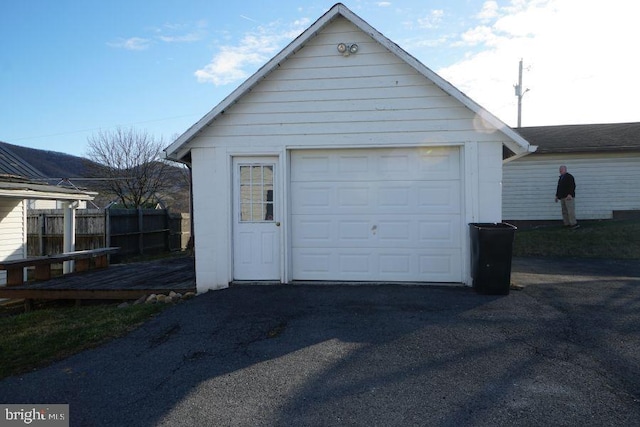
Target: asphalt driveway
[[565, 350]]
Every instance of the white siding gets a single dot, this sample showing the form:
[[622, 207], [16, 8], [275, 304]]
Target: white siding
[[319, 99], [604, 183], [211, 191], [490, 182], [12, 232]]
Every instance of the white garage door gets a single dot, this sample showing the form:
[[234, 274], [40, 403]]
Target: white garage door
[[377, 215]]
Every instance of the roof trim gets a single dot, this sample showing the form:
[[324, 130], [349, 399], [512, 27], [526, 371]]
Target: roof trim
[[43, 195], [20, 188], [179, 149]]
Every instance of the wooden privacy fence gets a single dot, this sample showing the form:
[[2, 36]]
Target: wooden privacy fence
[[135, 231]]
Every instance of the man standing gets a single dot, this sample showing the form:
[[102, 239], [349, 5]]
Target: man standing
[[566, 193]]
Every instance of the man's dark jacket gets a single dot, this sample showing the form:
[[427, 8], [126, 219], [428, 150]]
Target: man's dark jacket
[[566, 186]]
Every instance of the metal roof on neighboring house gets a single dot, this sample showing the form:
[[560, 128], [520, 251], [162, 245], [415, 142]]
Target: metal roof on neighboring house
[[11, 164], [18, 179], [608, 137]]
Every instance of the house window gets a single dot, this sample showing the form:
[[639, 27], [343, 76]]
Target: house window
[[256, 193]]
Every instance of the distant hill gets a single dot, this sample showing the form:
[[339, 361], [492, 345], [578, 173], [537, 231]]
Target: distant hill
[[53, 164]]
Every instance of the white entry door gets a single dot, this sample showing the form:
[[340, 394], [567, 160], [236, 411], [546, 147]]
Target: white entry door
[[256, 234]]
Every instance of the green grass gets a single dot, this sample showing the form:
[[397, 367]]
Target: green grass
[[594, 239], [37, 338]]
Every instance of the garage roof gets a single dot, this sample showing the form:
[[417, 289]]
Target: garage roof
[[179, 150]]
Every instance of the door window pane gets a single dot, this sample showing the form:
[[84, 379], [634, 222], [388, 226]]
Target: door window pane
[[256, 193]]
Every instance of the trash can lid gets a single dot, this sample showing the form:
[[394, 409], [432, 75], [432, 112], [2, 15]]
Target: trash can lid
[[502, 225]]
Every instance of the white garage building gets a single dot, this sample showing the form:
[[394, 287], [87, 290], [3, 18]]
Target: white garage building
[[342, 159]]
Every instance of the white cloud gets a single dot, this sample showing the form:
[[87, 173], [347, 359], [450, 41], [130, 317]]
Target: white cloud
[[384, 4], [183, 38], [182, 33], [479, 35], [489, 11], [236, 62], [228, 66], [431, 20], [578, 58], [416, 43], [133, 43], [168, 33]]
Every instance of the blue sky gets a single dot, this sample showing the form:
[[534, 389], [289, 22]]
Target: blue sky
[[70, 68]]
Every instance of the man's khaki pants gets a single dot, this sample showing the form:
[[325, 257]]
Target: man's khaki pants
[[568, 211]]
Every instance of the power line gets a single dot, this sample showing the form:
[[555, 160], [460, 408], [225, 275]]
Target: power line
[[101, 128]]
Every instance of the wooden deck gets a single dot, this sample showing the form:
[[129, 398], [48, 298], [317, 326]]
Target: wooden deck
[[119, 281]]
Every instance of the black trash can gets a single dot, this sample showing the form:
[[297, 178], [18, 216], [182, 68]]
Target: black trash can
[[491, 249]]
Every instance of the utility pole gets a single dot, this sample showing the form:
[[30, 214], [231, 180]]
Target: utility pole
[[520, 93]]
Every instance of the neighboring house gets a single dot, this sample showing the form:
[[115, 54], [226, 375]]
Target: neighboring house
[[22, 184], [13, 164], [342, 159], [603, 158], [14, 191]]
